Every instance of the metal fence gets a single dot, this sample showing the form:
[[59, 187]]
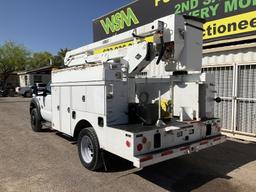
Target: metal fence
[[246, 99], [236, 86]]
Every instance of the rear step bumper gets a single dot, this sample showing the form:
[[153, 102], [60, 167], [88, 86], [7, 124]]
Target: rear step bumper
[[171, 153]]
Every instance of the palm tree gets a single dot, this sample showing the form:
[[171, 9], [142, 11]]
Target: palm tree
[[59, 58], [62, 52]]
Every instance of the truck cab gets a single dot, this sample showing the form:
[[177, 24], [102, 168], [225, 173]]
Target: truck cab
[[41, 106]]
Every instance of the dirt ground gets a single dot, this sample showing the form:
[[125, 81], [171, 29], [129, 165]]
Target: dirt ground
[[48, 162]]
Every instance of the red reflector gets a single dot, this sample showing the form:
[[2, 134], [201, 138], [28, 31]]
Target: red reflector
[[204, 142], [128, 144], [147, 158], [217, 139], [139, 147], [144, 140], [167, 153], [184, 148]]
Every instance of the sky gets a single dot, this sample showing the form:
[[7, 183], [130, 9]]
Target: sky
[[48, 25]]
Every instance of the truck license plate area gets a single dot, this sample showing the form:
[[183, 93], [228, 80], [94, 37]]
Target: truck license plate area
[[170, 153], [157, 140], [208, 129]]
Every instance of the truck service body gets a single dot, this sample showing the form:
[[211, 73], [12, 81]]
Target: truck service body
[[110, 102]]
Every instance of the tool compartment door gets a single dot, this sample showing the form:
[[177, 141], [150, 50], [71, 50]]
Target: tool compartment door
[[95, 99], [56, 108], [65, 109]]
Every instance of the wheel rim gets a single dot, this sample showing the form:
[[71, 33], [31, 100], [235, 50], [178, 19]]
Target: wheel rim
[[87, 149]]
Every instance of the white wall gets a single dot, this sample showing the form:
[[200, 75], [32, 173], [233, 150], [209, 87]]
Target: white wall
[[45, 78]]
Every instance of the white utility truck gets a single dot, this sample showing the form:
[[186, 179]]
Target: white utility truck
[[107, 97]]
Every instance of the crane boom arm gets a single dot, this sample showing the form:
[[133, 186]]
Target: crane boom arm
[[175, 40]]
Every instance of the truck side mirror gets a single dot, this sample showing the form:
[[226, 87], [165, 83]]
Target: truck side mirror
[[40, 93], [43, 93], [34, 90]]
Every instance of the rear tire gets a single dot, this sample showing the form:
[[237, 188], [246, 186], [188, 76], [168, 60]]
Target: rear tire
[[36, 121], [89, 149]]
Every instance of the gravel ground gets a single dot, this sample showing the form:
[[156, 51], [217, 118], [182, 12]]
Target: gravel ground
[[48, 162]]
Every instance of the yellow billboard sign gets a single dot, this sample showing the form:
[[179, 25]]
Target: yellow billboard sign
[[234, 25]]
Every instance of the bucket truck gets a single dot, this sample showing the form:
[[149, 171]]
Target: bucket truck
[[108, 98]]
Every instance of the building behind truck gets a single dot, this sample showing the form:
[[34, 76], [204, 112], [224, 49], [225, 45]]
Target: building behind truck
[[229, 51], [39, 77]]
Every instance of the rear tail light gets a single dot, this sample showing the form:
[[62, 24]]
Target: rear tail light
[[204, 142], [169, 152], [184, 148], [146, 158], [139, 147], [128, 144], [217, 139], [144, 140]]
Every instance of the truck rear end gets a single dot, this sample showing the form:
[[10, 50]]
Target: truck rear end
[[148, 145]]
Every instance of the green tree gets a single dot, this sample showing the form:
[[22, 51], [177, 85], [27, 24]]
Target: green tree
[[62, 52], [13, 57], [40, 59], [59, 58]]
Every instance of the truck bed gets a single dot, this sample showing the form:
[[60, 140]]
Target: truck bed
[[147, 145], [136, 128]]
